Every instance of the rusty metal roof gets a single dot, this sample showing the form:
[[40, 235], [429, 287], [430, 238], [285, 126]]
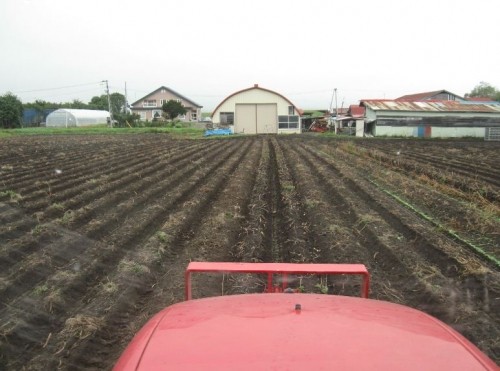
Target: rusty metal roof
[[430, 106], [428, 96], [356, 111]]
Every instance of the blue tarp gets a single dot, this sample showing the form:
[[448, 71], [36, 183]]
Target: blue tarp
[[217, 132]]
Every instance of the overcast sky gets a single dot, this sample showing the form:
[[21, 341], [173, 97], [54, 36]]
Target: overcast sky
[[60, 50]]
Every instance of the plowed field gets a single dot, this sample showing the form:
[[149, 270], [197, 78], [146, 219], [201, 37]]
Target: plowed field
[[96, 231]]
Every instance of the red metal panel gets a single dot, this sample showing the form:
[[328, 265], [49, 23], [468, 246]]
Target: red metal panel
[[329, 332], [277, 268]]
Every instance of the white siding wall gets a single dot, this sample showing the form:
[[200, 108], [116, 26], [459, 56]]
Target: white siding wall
[[399, 131], [438, 132]]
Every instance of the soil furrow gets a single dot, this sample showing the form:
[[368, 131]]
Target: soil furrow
[[191, 225], [83, 269]]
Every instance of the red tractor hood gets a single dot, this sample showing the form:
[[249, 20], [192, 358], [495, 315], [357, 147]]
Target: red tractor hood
[[267, 332]]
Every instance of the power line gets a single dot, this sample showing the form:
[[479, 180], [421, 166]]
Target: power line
[[58, 88]]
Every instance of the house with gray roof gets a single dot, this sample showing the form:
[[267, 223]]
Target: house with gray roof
[[149, 107]]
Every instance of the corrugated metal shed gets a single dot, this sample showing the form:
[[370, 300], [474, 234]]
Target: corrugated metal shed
[[430, 106]]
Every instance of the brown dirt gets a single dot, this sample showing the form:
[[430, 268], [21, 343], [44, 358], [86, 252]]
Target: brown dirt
[[96, 231]]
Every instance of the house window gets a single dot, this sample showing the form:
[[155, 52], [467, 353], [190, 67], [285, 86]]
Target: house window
[[156, 114], [227, 118], [142, 114], [162, 102], [179, 101], [149, 103], [290, 110], [194, 116], [288, 122], [163, 90]]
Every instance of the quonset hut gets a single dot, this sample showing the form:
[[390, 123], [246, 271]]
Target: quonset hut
[[258, 111], [76, 117]]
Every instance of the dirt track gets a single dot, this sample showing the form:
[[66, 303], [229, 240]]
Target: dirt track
[[96, 231]]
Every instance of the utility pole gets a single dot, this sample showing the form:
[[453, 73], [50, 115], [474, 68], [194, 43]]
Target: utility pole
[[336, 107], [109, 104], [125, 108], [336, 112]]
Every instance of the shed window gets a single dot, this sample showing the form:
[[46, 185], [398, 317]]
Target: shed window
[[227, 118], [288, 122]]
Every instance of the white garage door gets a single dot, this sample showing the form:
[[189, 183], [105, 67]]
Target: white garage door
[[245, 119], [256, 118], [267, 116]]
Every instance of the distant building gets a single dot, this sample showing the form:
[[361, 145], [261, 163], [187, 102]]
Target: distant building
[[431, 95], [258, 111], [149, 107], [431, 118]]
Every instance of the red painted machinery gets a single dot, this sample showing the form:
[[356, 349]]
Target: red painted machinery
[[296, 331], [319, 126]]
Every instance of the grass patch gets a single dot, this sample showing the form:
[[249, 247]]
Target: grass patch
[[39, 229], [132, 267], [57, 206], [13, 196], [41, 289], [162, 236], [180, 132], [68, 217]]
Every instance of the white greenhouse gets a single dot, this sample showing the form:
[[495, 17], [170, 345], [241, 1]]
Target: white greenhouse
[[76, 117]]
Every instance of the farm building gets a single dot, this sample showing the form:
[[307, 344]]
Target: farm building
[[432, 95], [258, 111], [76, 117], [432, 118], [150, 106]]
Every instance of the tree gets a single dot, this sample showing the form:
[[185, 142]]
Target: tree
[[117, 103], [11, 111], [99, 103], [172, 109], [75, 104], [127, 119], [484, 90]]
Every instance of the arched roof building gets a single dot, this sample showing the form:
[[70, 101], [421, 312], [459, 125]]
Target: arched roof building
[[258, 111]]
